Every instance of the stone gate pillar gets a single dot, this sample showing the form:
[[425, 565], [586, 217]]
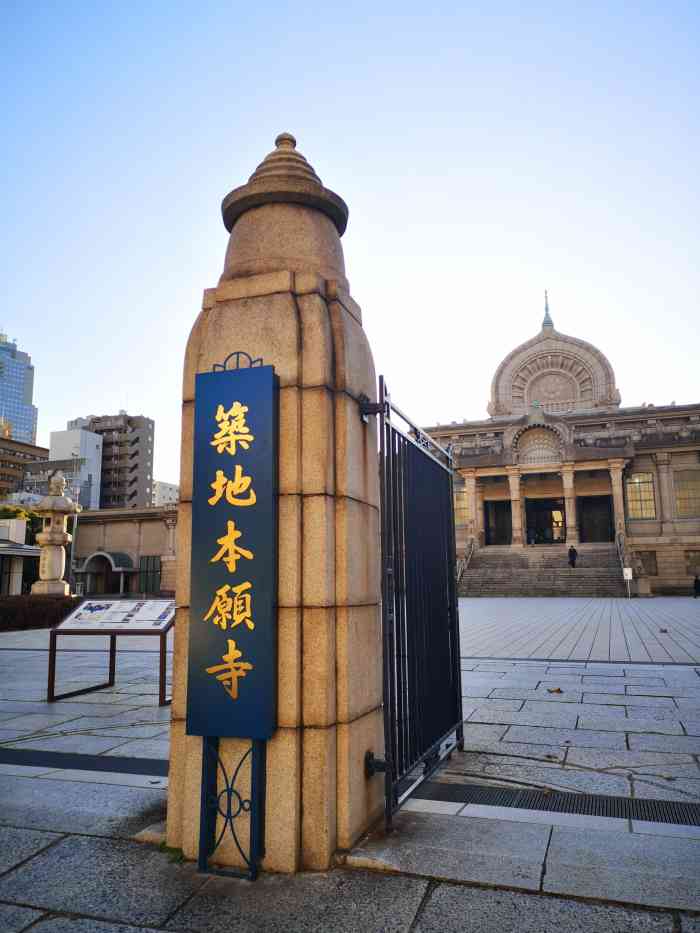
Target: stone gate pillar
[[283, 297]]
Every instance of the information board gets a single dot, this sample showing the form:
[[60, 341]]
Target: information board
[[121, 615], [232, 670]]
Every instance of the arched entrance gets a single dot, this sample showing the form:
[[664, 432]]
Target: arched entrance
[[106, 573]]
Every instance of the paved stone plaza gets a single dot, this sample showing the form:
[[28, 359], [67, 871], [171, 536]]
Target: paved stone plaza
[[661, 630], [593, 725], [124, 720]]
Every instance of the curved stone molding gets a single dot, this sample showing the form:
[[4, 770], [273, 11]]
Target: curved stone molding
[[539, 445], [559, 372]]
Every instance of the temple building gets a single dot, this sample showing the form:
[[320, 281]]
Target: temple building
[[560, 462]]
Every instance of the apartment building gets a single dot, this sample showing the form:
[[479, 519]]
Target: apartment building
[[127, 458]]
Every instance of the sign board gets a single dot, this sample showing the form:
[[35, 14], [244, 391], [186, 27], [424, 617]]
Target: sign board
[[232, 671], [96, 615], [627, 573]]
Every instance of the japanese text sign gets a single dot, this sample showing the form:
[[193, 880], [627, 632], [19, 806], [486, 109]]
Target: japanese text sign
[[232, 674]]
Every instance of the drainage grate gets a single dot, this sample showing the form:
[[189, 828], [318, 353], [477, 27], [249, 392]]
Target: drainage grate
[[655, 811]]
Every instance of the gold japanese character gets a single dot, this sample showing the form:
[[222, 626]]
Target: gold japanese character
[[231, 670], [236, 608], [221, 608], [233, 488], [232, 429], [229, 548]]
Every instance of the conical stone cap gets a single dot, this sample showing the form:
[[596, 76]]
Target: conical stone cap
[[284, 176]]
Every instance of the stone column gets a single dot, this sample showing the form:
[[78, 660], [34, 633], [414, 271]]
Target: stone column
[[479, 518], [616, 467], [470, 502], [567, 477], [515, 505], [283, 297], [168, 559], [665, 485]]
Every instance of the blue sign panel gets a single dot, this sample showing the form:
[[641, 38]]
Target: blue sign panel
[[232, 675]]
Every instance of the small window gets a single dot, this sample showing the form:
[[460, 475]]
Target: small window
[[149, 575], [648, 559], [640, 496], [687, 484]]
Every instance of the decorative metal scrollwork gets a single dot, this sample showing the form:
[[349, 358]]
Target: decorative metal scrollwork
[[229, 804], [239, 359]]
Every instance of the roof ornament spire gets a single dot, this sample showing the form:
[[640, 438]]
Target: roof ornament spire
[[547, 322], [284, 177]]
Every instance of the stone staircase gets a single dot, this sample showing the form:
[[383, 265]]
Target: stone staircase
[[543, 570]]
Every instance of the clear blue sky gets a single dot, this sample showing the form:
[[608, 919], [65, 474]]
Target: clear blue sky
[[486, 152]]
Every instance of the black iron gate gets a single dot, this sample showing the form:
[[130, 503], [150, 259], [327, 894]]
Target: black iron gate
[[420, 623]]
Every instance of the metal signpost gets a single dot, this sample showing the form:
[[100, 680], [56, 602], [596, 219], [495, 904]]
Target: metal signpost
[[114, 617], [232, 673], [628, 577]]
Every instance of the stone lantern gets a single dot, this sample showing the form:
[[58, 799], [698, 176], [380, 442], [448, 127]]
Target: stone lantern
[[54, 509]]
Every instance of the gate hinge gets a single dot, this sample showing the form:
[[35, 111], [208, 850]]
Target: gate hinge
[[374, 765], [368, 408]]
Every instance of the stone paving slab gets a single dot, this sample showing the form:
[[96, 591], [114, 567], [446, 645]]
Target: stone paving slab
[[655, 763], [647, 828], [106, 777], [557, 717], [689, 744], [557, 778], [63, 709], [16, 845], [81, 744], [631, 724], [83, 925], [142, 748], [453, 909], [495, 852], [566, 696], [624, 868], [103, 878], [495, 703], [346, 902], [36, 722], [15, 919], [581, 738], [577, 709], [69, 807], [678, 690], [629, 700], [650, 788], [7, 735]]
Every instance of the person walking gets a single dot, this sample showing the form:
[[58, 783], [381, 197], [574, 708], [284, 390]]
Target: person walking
[[573, 554], [696, 587]]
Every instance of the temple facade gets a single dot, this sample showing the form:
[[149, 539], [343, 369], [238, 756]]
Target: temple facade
[[560, 462]]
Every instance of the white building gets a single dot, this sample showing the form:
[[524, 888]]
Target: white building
[[165, 493], [13, 553], [84, 447]]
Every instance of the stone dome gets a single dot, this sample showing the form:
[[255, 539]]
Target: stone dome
[[555, 371]]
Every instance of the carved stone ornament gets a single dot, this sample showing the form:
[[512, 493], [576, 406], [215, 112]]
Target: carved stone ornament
[[562, 373]]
